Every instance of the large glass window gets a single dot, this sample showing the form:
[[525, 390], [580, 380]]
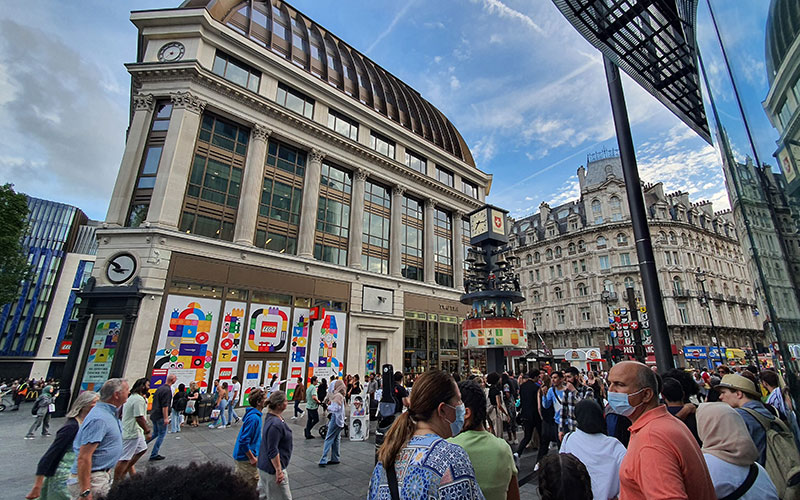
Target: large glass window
[[377, 216], [381, 144], [443, 248], [333, 215], [343, 125], [281, 196], [415, 352], [236, 71], [212, 195], [294, 100], [148, 169], [412, 242], [416, 162], [444, 176], [469, 189]]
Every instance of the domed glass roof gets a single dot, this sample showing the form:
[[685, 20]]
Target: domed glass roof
[[278, 27], [783, 27]]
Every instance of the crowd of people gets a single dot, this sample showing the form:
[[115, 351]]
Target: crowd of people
[[629, 433]]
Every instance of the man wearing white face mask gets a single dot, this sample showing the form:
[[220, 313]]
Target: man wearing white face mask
[[663, 459]]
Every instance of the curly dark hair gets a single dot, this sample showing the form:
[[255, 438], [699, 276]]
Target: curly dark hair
[[206, 481], [563, 477]]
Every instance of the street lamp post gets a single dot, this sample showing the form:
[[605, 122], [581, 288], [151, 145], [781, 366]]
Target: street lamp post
[[701, 279]]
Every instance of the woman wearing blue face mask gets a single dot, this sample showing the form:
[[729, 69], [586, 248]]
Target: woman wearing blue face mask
[[491, 456], [415, 461]]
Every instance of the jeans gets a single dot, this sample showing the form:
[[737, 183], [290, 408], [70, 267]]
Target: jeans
[[44, 421], [528, 426], [222, 421], [175, 421], [297, 409], [332, 440], [232, 416], [313, 418], [159, 431]]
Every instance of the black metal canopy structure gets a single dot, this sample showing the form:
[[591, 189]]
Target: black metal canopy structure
[[653, 41]]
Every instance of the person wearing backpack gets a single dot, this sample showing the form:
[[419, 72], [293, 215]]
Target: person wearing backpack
[[730, 455], [41, 409], [741, 394]]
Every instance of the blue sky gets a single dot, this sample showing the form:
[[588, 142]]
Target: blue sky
[[525, 90]]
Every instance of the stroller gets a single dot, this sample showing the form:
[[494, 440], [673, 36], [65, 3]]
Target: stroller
[[6, 400], [323, 429]]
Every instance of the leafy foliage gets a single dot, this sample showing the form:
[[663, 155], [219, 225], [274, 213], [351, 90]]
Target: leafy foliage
[[13, 259]]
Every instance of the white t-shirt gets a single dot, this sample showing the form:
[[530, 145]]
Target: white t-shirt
[[233, 391], [602, 455], [727, 477]]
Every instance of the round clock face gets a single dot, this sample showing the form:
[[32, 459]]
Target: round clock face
[[171, 52], [121, 268]]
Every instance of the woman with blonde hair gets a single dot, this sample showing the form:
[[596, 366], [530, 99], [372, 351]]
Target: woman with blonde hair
[[415, 461], [54, 466], [335, 425]]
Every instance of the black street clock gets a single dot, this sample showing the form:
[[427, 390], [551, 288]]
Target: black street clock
[[488, 223]]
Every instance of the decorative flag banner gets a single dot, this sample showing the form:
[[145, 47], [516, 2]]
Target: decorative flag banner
[[327, 346], [188, 329], [230, 341], [101, 354], [269, 328], [252, 379], [298, 349]]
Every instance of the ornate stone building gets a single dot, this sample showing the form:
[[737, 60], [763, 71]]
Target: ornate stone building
[[271, 168], [577, 259]]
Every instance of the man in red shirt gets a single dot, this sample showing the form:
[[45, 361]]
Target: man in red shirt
[[663, 459]]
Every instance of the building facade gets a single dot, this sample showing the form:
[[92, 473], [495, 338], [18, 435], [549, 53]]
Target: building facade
[[58, 243], [271, 169], [576, 261]]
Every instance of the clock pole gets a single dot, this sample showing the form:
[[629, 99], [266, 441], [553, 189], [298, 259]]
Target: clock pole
[[494, 323]]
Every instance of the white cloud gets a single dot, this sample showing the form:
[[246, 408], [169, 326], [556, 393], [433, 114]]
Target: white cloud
[[484, 150], [499, 8], [454, 83], [437, 59]]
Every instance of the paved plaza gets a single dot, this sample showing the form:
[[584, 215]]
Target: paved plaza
[[350, 479]]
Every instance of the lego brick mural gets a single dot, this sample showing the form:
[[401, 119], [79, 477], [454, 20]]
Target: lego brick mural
[[101, 354], [188, 329], [327, 345], [298, 349], [251, 380], [268, 328], [274, 367], [230, 340]]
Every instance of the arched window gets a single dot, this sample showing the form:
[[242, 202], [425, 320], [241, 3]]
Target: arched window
[[608, 286], [558, 252], [597, 207], [529, 259], [537, 257], [615, 203], [622, 240], [581, 246], [571, 248], [601, 242], [583, 290], [558, 292], [673, 239], [629, 282], [548, 254], [536, 297], [684, 240], [677, 285]]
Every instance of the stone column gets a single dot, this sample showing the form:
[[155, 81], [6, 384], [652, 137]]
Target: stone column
[[356, 219], [250, 193], [458, 250], [428, 238], [176, 160], [396, 232], [308, 212], [131, 158]]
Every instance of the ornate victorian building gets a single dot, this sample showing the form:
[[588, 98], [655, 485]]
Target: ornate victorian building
[[271, 169], [576, 261]]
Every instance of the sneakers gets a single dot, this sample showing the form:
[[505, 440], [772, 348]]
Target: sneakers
[[536, 468], [516, 460], [294, 418], [157, 457], [29, 437]]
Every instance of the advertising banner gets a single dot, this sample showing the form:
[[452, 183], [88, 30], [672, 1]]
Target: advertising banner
[[230, 341], [101, 354], [252, 379], [268, 328], [695, 352], [326, 355], [494, 332], [298, 350]]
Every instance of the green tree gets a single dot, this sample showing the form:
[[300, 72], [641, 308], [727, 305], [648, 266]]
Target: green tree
[[13, 259]]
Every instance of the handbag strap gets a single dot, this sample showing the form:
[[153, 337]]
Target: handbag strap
[[745, 486], [391, 476]]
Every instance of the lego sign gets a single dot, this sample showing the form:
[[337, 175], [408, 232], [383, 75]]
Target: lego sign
[[64, 348]]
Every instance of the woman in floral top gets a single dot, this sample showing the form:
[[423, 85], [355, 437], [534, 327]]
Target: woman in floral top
[[426, 466]]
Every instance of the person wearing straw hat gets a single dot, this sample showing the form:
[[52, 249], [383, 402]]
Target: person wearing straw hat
[[740, 393], [53, 469], [730, 454]]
